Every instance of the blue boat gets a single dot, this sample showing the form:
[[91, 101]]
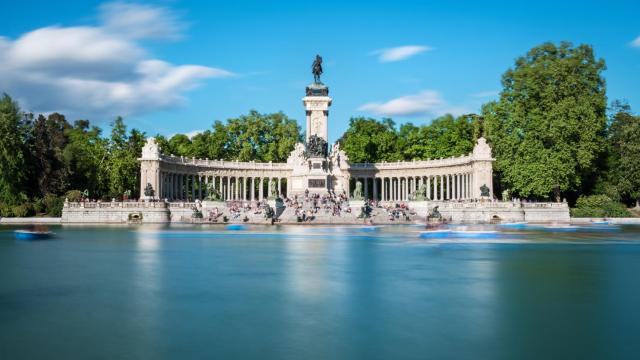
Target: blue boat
[[236, 227], [442, 234], [32, 235]]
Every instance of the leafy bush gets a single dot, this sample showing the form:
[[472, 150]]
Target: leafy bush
[[22, 210], [38, 206], [74, 195], [53, 205], [5, 210], [598, 206]]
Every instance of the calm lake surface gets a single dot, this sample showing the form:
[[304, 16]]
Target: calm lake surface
[[321, 293]]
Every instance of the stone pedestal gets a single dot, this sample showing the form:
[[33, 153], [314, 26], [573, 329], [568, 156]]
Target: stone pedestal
[[356, 206], [420, 207], [316, 104]]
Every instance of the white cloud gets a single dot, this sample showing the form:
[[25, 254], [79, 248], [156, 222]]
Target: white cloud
[[428, 102], [140, 21], [94, 72], [400, 52], [636, 42]]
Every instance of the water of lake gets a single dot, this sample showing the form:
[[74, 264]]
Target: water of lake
[[185, 292]]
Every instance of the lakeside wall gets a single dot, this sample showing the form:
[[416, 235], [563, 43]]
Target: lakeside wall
[[457, 212]]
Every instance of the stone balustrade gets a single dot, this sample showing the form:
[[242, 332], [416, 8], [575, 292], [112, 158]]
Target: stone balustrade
[[421, 164], [116, 204], [225, 164]]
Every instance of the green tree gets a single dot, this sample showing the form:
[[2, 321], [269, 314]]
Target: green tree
[[180, 145], [87, 158], [124, 168], [447, 136], [624, 163], [370, 140], [12, 152], [50, 172], [261, 137], [547, 129]]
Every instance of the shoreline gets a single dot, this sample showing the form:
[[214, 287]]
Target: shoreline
[[58, 221]]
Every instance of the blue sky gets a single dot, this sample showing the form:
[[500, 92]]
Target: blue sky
[[176, 66]]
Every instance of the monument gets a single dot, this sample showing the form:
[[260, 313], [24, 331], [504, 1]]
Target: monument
[[172, 185], [315, 174]]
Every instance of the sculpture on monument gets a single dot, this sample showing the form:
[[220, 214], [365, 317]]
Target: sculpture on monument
[[434, 214], [316, 147], [421, 194], [148, 190], [212, 193], [274, 189], [484, 191], [316, 69], [357, 193]]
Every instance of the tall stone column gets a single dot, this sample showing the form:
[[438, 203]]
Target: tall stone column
[[482, 168], [435, 187], [150, 168], [366, 187], [261, 188], [279, 186], [252, 188], [395, 189], [375, 188], [193, 187]]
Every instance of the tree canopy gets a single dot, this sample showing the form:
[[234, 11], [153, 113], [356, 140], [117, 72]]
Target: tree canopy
[[624, 152], [547, 130], [370, 140], [255, 136]]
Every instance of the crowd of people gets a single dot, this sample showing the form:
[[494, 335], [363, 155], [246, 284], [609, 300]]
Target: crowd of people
[[307, 207]]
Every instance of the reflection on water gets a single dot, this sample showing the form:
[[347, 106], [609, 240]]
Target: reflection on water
[[466, 292]]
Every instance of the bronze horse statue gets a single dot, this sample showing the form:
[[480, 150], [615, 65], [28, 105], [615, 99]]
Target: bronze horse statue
[[316, 69]]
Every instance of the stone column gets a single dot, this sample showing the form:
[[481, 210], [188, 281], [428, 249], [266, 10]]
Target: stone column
[[366, 187], [186, 187], [465, 182], [193, 187], [261, 189], [435, 188], [253, 188], [279, 186], [405, 188], [395, 189], [375, 188], [429, 187], [172, 189]]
